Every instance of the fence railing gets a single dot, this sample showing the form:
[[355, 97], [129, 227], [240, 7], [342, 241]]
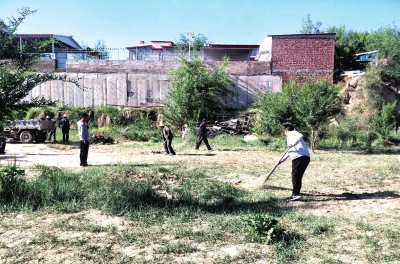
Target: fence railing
[[124, 54]]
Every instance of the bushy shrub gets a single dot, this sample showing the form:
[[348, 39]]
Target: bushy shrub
[[261, 228], [12, 183]]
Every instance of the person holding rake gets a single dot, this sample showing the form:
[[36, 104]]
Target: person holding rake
[[202, 135], [167, 136], [300, 156]]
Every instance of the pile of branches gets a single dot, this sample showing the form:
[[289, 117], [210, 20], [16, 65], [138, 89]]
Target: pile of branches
[[99, 138]]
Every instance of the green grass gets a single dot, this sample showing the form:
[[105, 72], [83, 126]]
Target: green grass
[[121, 214]]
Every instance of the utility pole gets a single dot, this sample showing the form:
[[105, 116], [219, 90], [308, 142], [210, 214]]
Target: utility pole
[[190, 33]]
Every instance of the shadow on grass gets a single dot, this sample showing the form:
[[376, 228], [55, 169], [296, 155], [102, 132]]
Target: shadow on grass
[[320, 197]]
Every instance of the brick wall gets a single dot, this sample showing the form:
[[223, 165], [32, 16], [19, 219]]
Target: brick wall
[[248, 68], [301, 56], [46, 65]]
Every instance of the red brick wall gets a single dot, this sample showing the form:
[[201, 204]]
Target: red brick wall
[[301, 56]]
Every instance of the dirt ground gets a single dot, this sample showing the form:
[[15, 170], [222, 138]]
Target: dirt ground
[[352, 191], [380, 202]]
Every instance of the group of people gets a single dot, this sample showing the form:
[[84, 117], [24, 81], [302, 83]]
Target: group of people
[[296, 149], [65, 126], [168, 136]]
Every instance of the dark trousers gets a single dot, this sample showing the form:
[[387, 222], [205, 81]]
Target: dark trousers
[[65, 135], [299, 166], [168, 147], [205, 140], [84, 152], [52, 134], [2, 145]]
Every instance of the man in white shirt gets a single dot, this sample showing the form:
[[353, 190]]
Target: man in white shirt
[[83, 132], [300, 156]]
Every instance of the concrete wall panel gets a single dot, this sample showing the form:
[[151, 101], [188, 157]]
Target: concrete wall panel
[[141, 90]]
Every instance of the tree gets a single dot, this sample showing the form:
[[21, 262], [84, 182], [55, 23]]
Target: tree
[[18, 75], [196, 43], [99, 52], [308, 106], [196, 91], [385, 119], [314, 103], [275, 110], [347, 44], [386, 40], [308, 27]]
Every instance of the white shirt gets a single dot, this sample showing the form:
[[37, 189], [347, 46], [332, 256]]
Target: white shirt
[[82, 130], [299, 148]]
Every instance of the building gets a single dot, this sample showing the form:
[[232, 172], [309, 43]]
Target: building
[[58, 50], [235, 52], [299, 56], [155, 50]]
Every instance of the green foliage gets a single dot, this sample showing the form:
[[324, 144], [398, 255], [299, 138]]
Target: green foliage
[[141, 129], [275, 110], [261, 228], [315, 102], [384, 120], [12, 183], [18, 75], [195, 91], [347, 43], [307, 106], [308, 27], [386, 40], [196, 43]]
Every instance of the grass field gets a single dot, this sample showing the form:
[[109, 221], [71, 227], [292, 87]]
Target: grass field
[[193, 208]]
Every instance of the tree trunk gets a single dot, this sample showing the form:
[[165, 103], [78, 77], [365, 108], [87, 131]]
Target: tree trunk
[[314, 135]]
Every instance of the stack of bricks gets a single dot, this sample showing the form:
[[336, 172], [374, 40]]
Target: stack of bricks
[[301, 56]]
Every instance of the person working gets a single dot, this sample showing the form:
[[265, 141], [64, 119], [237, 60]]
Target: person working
[[167, 136], [300, 156], [202, 135], [83, 132], [65, 127]]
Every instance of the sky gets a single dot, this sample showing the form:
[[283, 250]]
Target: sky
[[122, 23]]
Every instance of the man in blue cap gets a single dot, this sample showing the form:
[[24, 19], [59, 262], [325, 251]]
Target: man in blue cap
[[202, 135]]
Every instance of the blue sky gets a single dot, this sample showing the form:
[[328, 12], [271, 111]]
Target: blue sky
[[122, 23]]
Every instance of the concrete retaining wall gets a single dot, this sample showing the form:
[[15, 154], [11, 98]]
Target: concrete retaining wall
[[160, 67], [143, 90]]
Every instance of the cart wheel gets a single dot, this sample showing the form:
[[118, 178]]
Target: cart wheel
[[26, 137]]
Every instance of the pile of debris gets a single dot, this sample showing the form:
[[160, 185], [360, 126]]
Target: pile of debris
[[99, 138], [229, 124]]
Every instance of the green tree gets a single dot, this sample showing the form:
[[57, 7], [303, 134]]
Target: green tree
[[18, 75], [386, 40], [347, 44], [99, 52], [196, 43], [385, 119], [196, 91], [275, 110], [314, 103], [308, 27], [307, 106]]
